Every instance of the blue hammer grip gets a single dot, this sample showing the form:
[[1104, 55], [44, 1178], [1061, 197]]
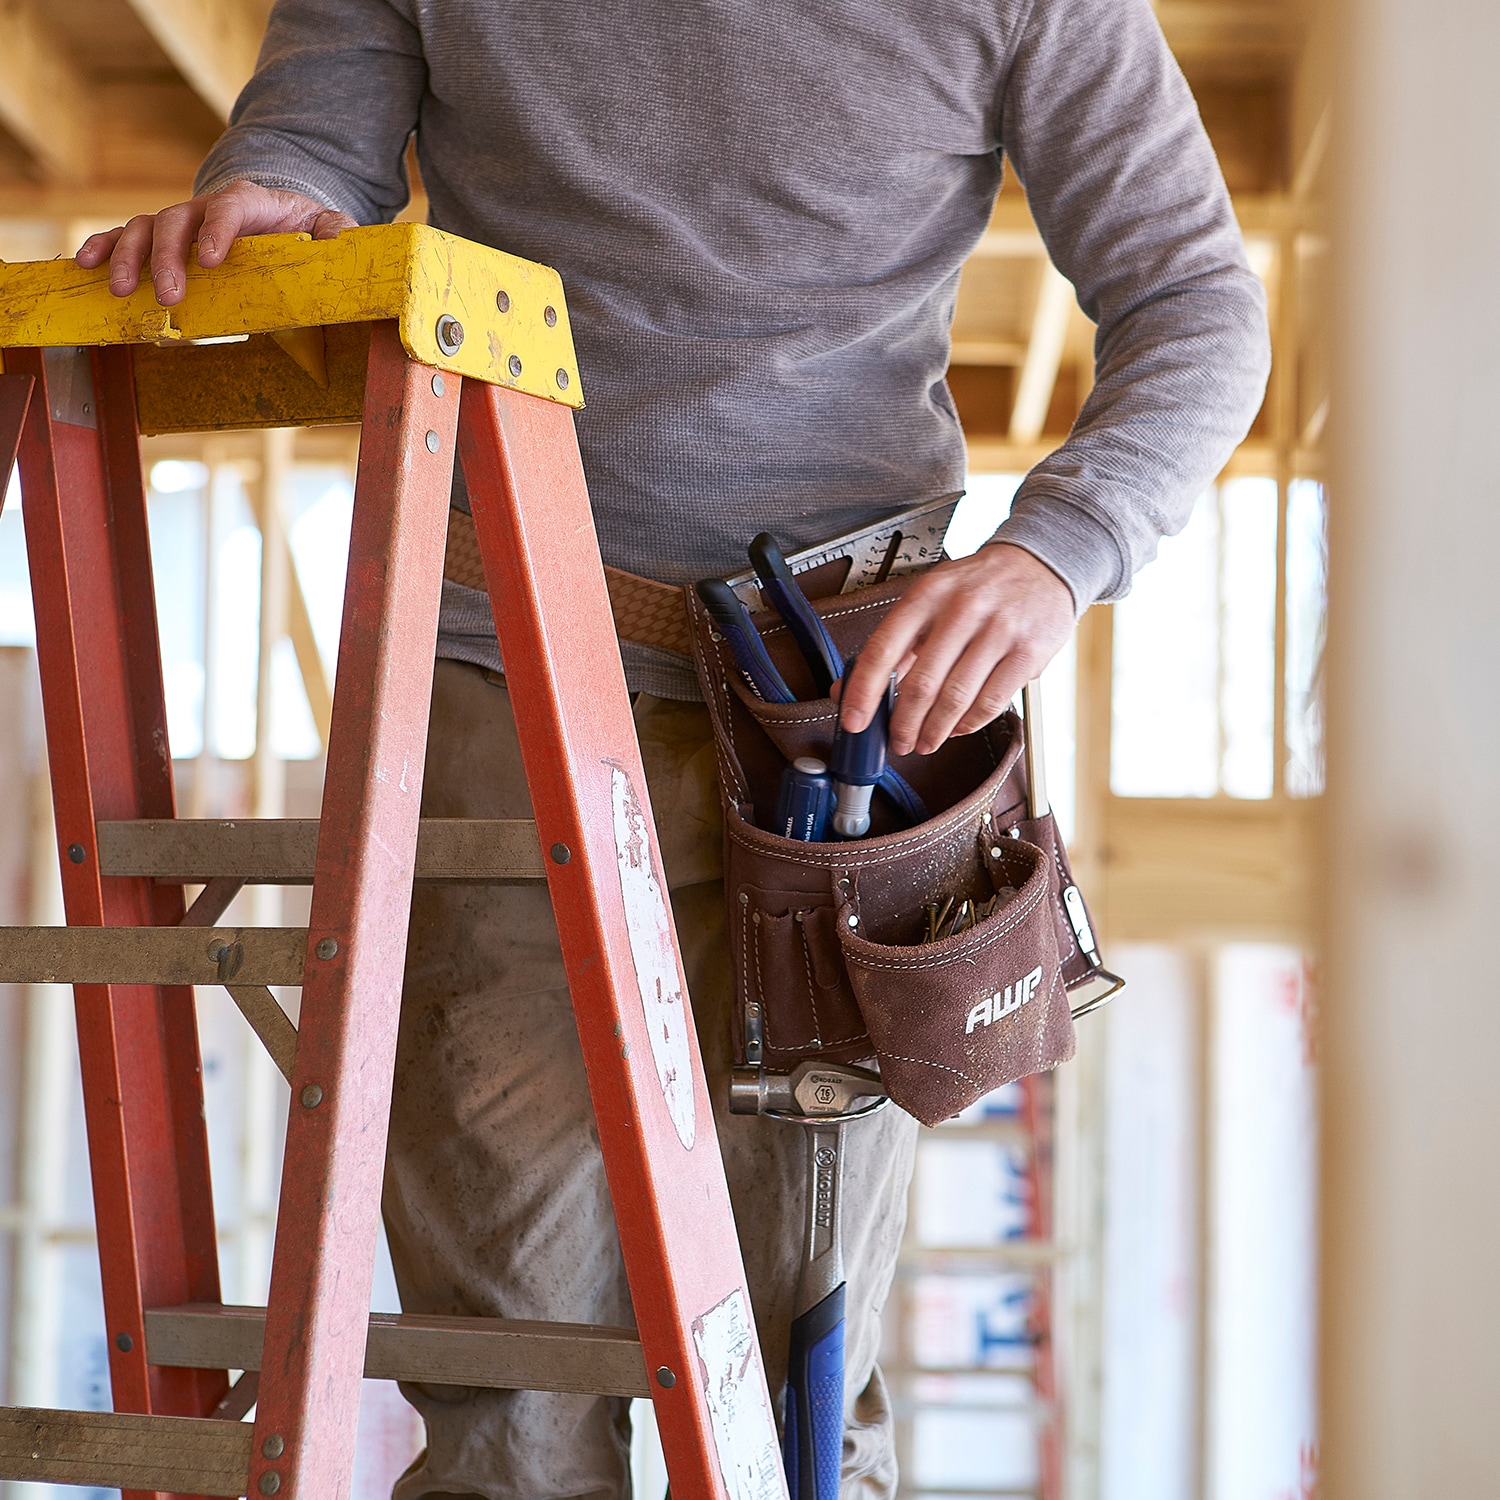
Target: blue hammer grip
[[813, 1447], [735, 625]]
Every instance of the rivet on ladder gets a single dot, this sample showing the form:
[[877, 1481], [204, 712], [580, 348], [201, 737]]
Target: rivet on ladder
[[312, 1096], [515, 365], [124, 1343], [502, 301], [434, 442], [665, 1378], [274, 1446], [549, 316], [450, 334], [439, 387], [327, 948], [562, 380], [76, 853], [561, 854], [270, 1482]]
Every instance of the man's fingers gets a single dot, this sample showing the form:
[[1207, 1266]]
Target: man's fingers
[[330, 224], [952, 666], [227, 215], [129, 254], [96, 249], [175, 230], [888, 648], [997, 694]]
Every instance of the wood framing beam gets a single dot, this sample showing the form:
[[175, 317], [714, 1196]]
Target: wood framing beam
[[1044, 351], [212, 43], [1236, 35], [987, 352], [1178, 868], [44, 97]]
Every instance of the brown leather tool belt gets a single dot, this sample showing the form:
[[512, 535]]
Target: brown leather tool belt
[[645, 611]]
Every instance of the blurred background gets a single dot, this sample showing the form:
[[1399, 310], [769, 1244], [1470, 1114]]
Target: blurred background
[[1109, 1284]]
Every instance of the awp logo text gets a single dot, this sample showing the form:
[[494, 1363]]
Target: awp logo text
[[1003, 1002]]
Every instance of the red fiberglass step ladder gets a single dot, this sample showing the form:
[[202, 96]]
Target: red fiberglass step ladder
[[438, 347]]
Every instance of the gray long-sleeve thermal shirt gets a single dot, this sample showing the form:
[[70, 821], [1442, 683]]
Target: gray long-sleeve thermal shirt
[[759, 209]]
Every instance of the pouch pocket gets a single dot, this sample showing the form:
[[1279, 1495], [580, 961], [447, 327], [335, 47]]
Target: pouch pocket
[[953, 1019], [791, 979]]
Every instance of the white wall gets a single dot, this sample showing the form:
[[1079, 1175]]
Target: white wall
[[1412, 1036]]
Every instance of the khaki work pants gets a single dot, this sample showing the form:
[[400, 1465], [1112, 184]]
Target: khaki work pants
[[496, 1203]]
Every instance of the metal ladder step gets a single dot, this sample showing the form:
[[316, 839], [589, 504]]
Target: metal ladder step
[[118, 1450], [495, 1353], [283, 851]]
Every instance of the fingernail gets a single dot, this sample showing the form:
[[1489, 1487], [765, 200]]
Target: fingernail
[[207, 242]]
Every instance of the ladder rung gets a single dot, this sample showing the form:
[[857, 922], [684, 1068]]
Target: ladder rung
[[152, 955], [495, 1353], [118, 1450], [283, 851]]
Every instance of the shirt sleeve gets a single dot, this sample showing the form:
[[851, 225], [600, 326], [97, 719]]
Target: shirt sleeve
[[334, 99], [1105, 136]]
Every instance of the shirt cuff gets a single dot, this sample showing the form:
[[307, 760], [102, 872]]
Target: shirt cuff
[[1080, 549]]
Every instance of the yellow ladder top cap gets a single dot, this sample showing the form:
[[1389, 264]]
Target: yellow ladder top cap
[[461, 307]]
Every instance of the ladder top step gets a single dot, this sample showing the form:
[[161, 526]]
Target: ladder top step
[[283, 851], [276, 283], [494, 1353]]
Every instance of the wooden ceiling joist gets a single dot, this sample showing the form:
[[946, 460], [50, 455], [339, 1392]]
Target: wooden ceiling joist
[[44, 98], [212, 43], [1044, 351]]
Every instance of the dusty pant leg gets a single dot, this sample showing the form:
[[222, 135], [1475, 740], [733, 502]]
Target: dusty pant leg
[[495, 1200], [765, 1160]]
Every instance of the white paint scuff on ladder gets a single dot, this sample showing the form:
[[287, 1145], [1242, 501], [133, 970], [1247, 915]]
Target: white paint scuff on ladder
[[654, 953], [744, 1436]]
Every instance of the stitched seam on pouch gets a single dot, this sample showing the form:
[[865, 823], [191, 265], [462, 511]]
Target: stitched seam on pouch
[[944, 960], [1062, 880], [940, 830], [760, 992], [927, 1062], [807, 968]]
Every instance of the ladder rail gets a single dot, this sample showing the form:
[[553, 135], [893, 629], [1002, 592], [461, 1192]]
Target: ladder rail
[[535, 530], [329, 1212], [84, 500]]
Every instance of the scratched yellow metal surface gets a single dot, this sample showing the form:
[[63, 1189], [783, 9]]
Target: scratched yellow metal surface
[[272, 283]]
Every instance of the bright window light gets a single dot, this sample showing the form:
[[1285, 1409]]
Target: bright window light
[[986, 503], [1165, 729], [1194, 696], [174, 475], [17, 623], [1306, 633]]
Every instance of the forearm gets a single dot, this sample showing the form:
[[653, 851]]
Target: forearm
[[1176, 388], [1126, 191], [335, 96]]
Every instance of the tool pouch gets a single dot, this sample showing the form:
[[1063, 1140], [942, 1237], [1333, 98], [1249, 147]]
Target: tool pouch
[[830, 943]]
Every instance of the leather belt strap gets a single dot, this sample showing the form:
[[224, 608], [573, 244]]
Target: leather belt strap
[[645, 611]]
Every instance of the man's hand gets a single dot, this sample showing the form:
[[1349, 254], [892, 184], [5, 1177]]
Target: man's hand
[[215, 220], [966, 637]]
